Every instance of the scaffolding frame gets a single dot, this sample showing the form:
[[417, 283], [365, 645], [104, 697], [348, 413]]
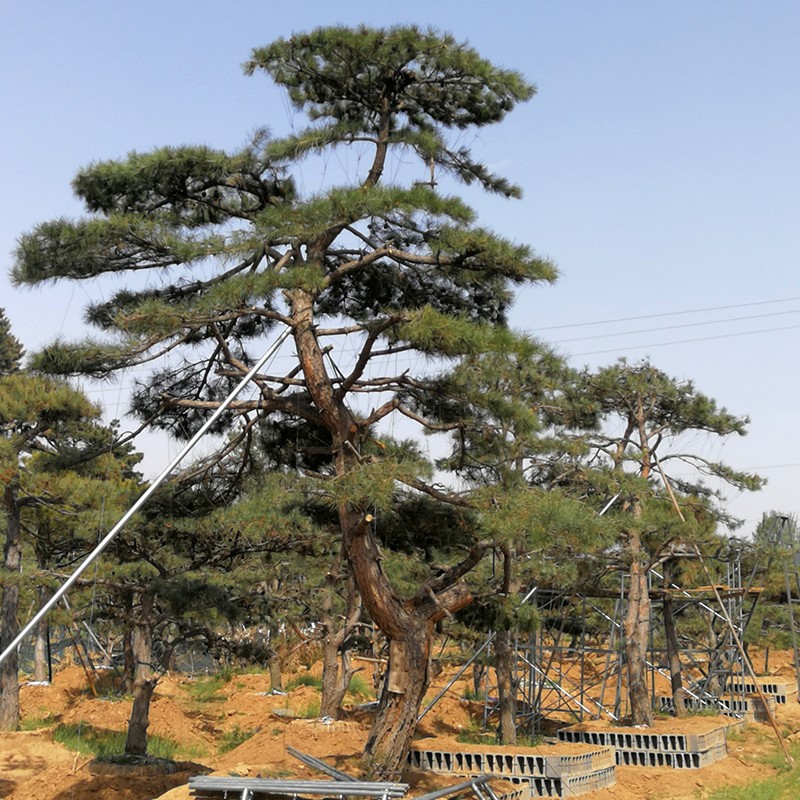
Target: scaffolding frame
[[544, 688]]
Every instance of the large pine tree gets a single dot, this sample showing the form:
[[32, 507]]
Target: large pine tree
[[42, 420], [369, 277], [647, 417]]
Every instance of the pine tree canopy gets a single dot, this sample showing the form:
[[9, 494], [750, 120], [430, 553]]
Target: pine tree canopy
[[230, 250], [402, 82], [11, 351], [650, 411]]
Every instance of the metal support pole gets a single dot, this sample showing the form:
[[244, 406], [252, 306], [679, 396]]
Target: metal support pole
[[464, 668], [108, 538]]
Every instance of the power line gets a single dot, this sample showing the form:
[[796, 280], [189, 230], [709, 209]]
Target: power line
[[774, 466], [675, 327], [687, 341], [667, 314]]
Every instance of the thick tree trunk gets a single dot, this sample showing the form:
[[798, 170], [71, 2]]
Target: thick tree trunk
[[478, 675], [714, 685], [407, 624], [275, 676], [41, 644], [139, 721], [337, 668], [145, 680], [504, 655], [274, 660], [637, 629], [129, 660], [673, 648], [403, 690], [9, 606], [41, 665]]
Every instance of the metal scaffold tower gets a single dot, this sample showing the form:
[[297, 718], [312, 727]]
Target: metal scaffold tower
[[723, 674], [556, 666], [791, 567], [573, 665]]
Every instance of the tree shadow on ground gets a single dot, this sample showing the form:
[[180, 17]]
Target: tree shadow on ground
[[125, 784]]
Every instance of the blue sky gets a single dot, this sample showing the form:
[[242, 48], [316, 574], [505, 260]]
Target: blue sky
[[659, 160]]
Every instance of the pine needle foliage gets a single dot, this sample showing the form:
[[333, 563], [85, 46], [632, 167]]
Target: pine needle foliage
[[11, 351], [58, 467], [402, 247], [655, 411]]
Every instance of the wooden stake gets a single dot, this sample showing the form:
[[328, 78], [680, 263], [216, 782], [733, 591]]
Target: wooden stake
[[669, 487], [746, 660]]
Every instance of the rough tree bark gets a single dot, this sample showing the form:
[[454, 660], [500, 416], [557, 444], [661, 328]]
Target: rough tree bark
[[504, 657], [41, 642], [636, 629], [714, 685], [337, 668], [275, 660], [41, 661], [673, 647], [407, 623], [275, 676], [145, 679], [409, 626], [637, 618], [9, 625]]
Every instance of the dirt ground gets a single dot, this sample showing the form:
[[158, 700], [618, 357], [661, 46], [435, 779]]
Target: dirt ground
[[33, 765]]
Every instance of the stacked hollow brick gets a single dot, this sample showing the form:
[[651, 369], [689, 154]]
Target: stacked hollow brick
[[751, 707], [541, 774], [781, 690], [646, 748]]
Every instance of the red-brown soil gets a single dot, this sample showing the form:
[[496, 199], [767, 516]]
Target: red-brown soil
[[33, 765]]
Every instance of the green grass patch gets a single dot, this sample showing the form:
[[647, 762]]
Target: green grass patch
[[193, 751], [234, 737], [528, 740], [206, 688], [37, 723], [103, 743], [359, 688], [310, 710], [305, 679], [783, 786], [474, 734], [249, 669], [703, 712], [274, 773], [777, 760]]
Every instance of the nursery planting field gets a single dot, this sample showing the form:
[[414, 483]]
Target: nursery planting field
[[230, 724]]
